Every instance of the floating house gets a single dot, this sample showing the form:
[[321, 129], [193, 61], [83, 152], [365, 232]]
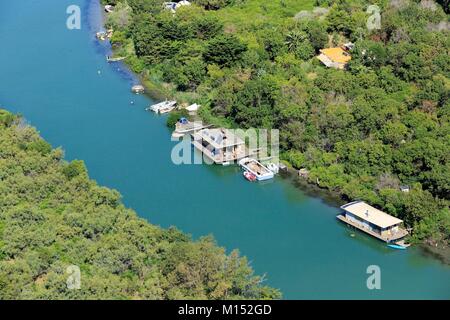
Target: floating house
[[374, 222], [335, 57], [162, 107], [220, 145]]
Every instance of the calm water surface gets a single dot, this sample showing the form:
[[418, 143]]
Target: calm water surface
[[59, 80]]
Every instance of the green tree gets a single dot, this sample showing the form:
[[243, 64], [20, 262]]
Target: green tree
[[225, 50]]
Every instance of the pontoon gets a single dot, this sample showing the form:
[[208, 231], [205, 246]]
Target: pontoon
[[258, 169]]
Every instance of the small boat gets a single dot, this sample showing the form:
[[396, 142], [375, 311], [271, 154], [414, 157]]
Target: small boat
[[164, 106], [249, 176], [273, 167], [101, 35], [138, 89], [109, 8], [109, 59], [396, 246], [255, 167]]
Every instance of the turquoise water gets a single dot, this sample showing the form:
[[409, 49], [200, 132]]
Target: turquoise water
[[50, 75]]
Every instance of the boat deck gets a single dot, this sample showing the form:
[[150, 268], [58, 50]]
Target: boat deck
[[257, 168], [219, 158], [397, 236]]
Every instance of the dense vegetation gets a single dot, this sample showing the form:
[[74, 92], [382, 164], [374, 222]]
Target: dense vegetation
[[53, 216], [362, 132]]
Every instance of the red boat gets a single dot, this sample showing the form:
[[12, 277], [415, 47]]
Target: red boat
[[249, 176]]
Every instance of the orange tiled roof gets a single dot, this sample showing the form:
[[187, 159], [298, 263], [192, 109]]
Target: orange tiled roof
[[337, 55]]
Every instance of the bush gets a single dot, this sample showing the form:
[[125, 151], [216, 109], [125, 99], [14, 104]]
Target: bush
[[74, 169]]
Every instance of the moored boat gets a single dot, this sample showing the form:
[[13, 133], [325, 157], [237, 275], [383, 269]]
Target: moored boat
[[138, 89], [249, 176], [396, 246], [258, 169], [109, 8], [117, 59], [374, 222], [164, 106], [166, 109]]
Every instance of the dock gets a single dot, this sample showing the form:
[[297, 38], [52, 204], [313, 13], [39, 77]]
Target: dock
[[184, 127]]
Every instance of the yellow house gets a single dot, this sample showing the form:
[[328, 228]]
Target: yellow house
[[334, 57]]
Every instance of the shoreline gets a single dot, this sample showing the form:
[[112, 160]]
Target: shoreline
[[156, 91]]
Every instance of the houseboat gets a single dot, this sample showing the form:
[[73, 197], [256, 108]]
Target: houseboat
[[374, 222], [255, 167], [220, 145]]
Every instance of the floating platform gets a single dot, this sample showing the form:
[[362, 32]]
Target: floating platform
[[395, 239]]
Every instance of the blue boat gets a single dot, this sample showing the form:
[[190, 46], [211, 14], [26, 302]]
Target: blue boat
[[396, 246]]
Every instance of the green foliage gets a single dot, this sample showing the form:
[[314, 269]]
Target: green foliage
[[214, 4], [6, 118], [74, 169], [224, 50], [53, 216]]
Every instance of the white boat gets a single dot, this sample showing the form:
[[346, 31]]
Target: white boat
[[258, 169], [138, 89], [109, 8], [162, 107], [167, 108], [193, 107], [110, 59]]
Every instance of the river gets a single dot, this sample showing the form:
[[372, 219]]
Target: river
[[59, 80]]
